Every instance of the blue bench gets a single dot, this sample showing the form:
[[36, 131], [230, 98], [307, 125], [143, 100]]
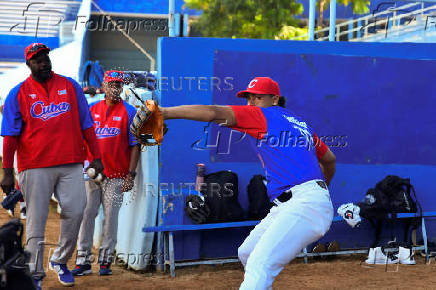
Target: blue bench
[[168, 239]]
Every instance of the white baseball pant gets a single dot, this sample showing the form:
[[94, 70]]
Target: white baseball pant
[[283, 233]]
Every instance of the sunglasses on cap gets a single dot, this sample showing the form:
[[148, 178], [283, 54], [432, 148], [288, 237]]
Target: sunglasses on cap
[[115, 74], [37, 46]]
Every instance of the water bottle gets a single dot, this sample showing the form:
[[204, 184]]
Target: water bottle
[[199, 180]]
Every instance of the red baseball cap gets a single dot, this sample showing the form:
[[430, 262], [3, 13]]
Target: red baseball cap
[[33, 49], [261, 85], [113, 76]]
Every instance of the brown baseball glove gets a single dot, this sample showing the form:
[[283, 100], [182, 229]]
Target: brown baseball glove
[[148, 127]]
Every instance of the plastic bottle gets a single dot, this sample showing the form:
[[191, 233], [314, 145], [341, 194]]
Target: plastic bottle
[[199, 180]]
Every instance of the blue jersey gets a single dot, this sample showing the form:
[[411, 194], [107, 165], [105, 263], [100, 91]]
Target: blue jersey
[[286, 145]]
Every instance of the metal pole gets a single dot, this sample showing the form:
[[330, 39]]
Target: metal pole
[[171, 12], [185, 24], [312, 5], [332, 20], [350, 29], [359, 25], [177, 24]]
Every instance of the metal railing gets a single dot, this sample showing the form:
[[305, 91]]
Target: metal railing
[[402, 24], [371, 27]]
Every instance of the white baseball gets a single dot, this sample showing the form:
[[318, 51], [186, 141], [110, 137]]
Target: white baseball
[[99, 178], [91, 172]]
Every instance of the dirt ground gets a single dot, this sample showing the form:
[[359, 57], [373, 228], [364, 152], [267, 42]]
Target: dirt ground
[[345, 272]]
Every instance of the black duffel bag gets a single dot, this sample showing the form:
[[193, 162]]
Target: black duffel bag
[[220, 190], [14, 270]]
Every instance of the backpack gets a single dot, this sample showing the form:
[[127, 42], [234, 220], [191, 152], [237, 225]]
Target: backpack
[[398, 191], [14, 271], [373, 205], [390, 195], [258, 201], [221, 196]]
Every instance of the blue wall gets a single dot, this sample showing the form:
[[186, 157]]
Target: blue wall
[[378, 95], [12, 46]]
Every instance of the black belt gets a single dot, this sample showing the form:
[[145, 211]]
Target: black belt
[[287, 195]]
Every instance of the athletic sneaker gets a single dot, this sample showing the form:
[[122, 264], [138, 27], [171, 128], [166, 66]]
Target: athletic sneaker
[[376, 256], [11, 212], [319, 248], [23, 213], [64, 275], [82, 270], [407, 256], [333, 247], [38, 283], [105, 269]]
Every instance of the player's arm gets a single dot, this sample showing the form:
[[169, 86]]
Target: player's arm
[[135, 152], [86, 124], [11, 126], [326, 159], [204, 113], [247, 119], [134, 157], [328, 165]]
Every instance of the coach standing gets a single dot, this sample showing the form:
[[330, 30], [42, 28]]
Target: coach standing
[[45, 120]]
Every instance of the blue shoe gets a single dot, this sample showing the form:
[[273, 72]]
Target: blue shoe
[[82, 270], [105, 269], [38, 283], [64, 275]]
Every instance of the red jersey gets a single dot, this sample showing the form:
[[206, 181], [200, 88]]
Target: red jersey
[[48, 119], [111, 126]]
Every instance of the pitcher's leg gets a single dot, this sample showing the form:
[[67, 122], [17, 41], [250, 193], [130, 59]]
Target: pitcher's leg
[[292, 230], [70, 192], [250, 242]]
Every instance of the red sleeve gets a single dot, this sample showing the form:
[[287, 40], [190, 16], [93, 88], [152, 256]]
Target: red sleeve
[[10, 144], [321, 148], [91, 139], [250, 120]]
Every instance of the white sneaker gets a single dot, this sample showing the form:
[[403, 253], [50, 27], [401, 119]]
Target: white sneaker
[[376, 256], [407, 256], [59, 209], [10, 213], [23, 213]]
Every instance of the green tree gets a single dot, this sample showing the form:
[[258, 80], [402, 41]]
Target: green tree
[[267, 19], [359, 7], [245, 18]]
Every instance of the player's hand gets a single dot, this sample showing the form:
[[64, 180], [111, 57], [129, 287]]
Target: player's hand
[[7, 183], [128, 183], [97, 165]]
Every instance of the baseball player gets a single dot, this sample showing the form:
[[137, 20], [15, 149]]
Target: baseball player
[[297, 174], [45, 120], [120, 154]]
